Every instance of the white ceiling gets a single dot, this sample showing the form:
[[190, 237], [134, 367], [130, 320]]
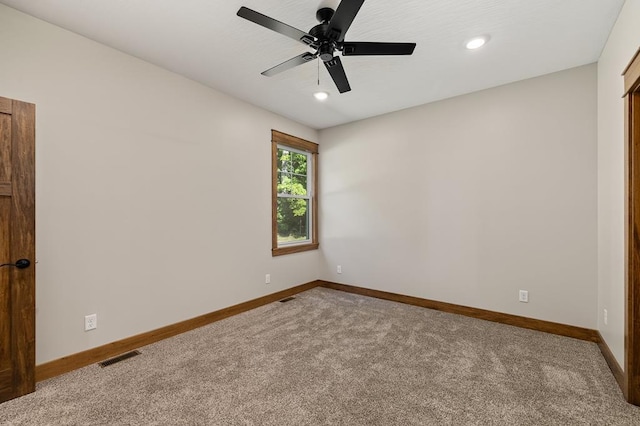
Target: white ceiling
[[204, 40]]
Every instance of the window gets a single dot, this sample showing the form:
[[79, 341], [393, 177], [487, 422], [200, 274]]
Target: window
[[294, 165]]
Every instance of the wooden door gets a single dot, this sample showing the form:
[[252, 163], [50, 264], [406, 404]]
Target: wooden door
[[17, 241]]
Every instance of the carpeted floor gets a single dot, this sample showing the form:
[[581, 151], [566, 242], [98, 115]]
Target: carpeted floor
[[330, 357]]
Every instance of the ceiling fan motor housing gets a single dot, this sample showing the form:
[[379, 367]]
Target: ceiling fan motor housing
[[324, 14], [326, 46]]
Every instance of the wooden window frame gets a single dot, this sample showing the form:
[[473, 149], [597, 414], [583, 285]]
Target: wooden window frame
[[279, 138]]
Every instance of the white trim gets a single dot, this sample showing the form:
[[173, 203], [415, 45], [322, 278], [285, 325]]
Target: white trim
[[308, 196]]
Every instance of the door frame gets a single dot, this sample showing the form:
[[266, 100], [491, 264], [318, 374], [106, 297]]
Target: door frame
[[22, 234], [631, 387]]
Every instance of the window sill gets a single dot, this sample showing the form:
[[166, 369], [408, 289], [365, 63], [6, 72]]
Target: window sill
[[294, 249]]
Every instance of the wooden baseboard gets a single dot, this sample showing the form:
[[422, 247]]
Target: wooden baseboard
[[612, 362], [100, 353], [518, 321]]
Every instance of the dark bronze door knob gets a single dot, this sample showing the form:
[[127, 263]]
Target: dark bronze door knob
[[20, 264]]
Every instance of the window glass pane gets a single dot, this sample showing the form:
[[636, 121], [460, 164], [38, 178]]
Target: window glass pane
[[292, 172], [284, 160], [299, 163], [293, 220], [298, 185], [284, 183]]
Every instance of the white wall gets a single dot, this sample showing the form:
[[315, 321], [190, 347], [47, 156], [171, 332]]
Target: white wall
[[153, 192], [470, 199], [620, 48]]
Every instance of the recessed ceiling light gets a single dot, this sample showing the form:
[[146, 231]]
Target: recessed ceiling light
[[475, 43], [321, 96]]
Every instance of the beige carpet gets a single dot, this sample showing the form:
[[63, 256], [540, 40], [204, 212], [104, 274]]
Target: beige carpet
[[330, 357]]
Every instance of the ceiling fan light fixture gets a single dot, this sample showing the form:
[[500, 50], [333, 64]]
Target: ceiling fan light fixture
[[476, 43], [321, 96]]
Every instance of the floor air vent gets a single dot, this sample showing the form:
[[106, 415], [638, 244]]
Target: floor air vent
[[118, 358], [287, 299]]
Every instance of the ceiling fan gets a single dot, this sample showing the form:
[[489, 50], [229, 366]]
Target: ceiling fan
[[327, 38]]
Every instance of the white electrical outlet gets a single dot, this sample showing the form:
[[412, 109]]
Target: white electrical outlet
[[90, 322], [606, 317], [339, 269], [524, 296], [267, 279]]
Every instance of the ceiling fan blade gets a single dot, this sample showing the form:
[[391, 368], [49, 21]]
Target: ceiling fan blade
[[336, 70], [277, 26], [287, 65], [361, 48], [342, 19]]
